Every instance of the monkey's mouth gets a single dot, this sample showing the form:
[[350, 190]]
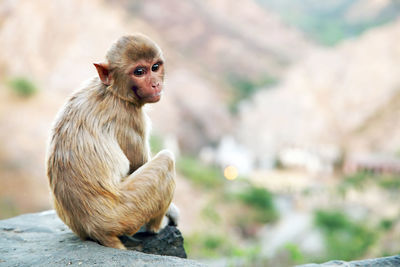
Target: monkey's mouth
[[154, 97], [151, 98], [148, 97]]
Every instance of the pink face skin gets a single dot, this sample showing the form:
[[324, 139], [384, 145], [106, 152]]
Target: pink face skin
[[147, 77]]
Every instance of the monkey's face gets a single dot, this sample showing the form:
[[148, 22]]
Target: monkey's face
[[135, 69], [146, 80]]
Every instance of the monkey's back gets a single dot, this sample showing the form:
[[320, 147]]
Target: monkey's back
[[85, 162]]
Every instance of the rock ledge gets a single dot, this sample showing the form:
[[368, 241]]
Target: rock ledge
[[41, 239], [378, 262]]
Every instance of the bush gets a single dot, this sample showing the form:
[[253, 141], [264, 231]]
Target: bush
[[261, 200], [22, 87], [201, 174], [257, 197], [345, 239], [386, 224], [295, 255]]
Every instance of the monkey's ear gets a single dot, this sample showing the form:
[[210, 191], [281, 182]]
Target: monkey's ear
[[103, 71]]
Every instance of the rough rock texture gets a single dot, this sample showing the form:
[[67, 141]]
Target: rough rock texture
[[379, 262], [41, 239], [168, 242]]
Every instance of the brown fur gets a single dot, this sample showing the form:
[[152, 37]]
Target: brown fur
[[98, 163]]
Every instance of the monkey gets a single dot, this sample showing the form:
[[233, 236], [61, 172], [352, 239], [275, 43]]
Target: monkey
[[103, 181]]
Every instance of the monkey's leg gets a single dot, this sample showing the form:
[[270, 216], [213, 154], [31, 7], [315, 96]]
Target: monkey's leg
[[170, 217], [111, 241], [145, 196], [148, 192], [156, 224]]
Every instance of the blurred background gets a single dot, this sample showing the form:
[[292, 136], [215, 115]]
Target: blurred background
[[284, 116]]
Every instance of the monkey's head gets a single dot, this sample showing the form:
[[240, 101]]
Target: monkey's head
[[134, 69]]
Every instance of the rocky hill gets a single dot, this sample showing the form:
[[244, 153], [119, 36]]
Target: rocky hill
[[288, 91], [333, 21], [54, 46], [346, 96], [224, 37]]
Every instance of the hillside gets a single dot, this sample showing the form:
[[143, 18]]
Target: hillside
[[222, 37], [54, 46], [343, 96], [247, 84], [333, 21]]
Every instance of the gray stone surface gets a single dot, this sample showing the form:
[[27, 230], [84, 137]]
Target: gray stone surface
[[378, 262], [41, 239]]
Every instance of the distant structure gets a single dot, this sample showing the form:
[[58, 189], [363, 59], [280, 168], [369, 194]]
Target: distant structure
[[229, 153], [320, 159], [371, 163]]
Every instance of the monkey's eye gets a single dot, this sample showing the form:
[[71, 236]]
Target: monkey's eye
[[139, 71], [155, 67]]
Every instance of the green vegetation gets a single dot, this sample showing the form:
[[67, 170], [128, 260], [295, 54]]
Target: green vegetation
[[200, 174], [345, 239], [245, 88], [330, 21], [156, 144], [22, 87], [214, 245], [261, 201], [239, 203], [211, 214], [295, 255], [357, 181], [246, 209], [255, 205], [390, 182], [386, 224]]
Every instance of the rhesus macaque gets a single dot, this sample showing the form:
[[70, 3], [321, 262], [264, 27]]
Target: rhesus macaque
[[98, 163]]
